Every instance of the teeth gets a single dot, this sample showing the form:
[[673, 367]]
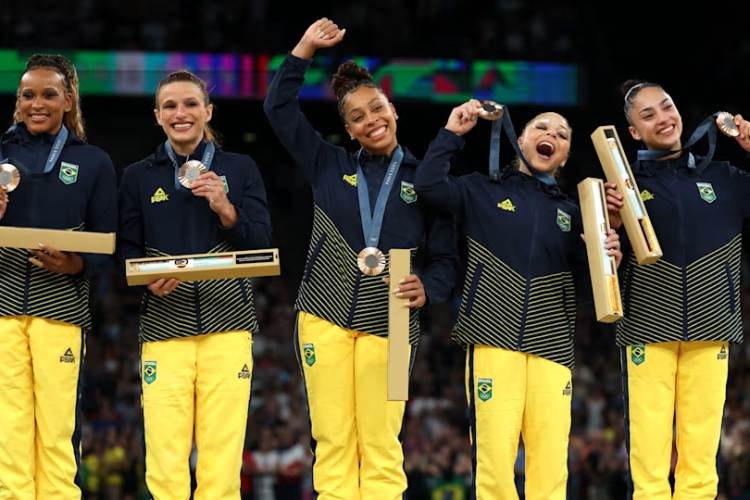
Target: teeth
[[376, 132], [182, 125]]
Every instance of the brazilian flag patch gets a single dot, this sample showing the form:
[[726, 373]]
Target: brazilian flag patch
[[484, 389], [563, 220], [706, 191], [638, 354], [68, 172], [309, 351], [407, 192], [149, 371]]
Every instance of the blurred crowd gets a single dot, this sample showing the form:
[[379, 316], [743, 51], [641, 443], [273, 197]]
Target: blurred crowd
[[499, 29]]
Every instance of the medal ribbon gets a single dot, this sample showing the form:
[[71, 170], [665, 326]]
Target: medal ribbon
[[371, 223], [208, 157], [54, 152], [707, 126], [497, 127]]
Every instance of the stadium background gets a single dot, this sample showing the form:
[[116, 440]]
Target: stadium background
[[431, 54]]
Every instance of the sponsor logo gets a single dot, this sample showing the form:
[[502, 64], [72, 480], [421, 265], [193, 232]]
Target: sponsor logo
[[351, 179], [507, 205], [68, 357], [159, 195], [568, 389]]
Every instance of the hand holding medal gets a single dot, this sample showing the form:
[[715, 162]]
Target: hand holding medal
[[189, 172], [491, 110], [9, 179], [728, 124]]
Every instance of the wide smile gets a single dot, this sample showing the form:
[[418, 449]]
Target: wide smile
[[545, 149], [666, 130], [181, 127], [378, 133]]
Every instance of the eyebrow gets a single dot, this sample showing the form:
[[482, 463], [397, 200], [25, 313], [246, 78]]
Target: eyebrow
[[49, 87], [661, 103], [368, 103]]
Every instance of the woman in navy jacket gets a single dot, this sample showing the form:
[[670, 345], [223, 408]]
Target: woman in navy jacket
[[364, 205], [196, 337], [65, 184], [682, 312], [525, 267]]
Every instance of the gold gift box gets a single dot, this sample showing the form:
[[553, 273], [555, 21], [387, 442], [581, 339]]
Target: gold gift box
[[59, 239], [602, 267], [205, 266], [398, 328]]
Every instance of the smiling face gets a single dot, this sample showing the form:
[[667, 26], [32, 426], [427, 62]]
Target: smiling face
[[43, 100], [183, 114], [371, 119], [655, 120], [545, 143]]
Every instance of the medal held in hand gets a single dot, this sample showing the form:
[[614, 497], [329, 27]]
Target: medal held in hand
[[190, 171], [371, 261], [725, 121], [491, 110], [9, 176]]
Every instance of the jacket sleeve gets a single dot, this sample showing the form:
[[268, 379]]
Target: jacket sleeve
[[432, 182], [253, 227], [439, 268], [282, 108], [130, 237], [101, 215]]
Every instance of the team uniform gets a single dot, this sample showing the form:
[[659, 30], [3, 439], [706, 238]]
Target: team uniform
[[525, 266], [45, 316], [674, 340], [196, 342], [342, 324]]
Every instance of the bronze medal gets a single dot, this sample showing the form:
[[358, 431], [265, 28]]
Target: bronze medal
[[9, 176], [726, 124], [371, 261], [491, 110], [189, 172]]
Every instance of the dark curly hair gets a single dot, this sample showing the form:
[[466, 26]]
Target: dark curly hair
[[349, 77]]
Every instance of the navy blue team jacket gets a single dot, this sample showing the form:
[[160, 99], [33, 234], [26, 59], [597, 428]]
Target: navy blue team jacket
[[693, 291], [79, 194], [332, 286], [525, 259], [159, 217]]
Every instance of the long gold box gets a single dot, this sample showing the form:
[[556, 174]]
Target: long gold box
[[398, 328], [59, 239], [602, 267], [633, 212], [205, 266]]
